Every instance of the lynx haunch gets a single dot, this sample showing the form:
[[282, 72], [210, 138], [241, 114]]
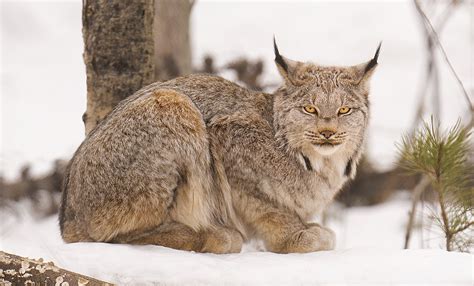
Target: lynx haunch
[[200, 163]]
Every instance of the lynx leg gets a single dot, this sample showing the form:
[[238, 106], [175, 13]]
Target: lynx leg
[[222, 240], [172, 234], [327, 237], [179, 236], [284, 231], [237, 241]]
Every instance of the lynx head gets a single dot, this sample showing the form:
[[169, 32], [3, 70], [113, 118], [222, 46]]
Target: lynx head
[[322, 108]]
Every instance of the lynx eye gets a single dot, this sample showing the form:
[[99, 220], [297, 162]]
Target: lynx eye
[[310, 109], [344, 110]]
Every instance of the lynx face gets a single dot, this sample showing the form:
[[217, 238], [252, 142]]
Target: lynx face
[[322, 108]]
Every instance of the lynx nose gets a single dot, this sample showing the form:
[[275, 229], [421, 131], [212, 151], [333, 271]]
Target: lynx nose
[[327, 133]]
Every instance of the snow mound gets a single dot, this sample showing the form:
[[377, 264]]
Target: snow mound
[[368, 254], [124, 264], [154, 265]]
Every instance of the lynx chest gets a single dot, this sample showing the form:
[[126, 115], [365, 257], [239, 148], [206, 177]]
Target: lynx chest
[[310, 193]]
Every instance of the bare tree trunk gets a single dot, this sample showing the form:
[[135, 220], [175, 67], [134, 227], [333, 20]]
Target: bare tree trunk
[[172, 39], [118, 53], [16, 270]]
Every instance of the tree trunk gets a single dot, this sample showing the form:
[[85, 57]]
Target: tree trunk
[[118, 53], [172, 40], [16, 270]]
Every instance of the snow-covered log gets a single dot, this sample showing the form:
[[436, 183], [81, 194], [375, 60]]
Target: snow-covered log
[[16, 270]]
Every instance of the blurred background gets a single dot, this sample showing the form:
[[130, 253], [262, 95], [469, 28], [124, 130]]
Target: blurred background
[[44, 91]]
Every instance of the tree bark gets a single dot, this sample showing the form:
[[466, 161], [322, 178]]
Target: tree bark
[[16, 270], [172, 39], [118, 53]]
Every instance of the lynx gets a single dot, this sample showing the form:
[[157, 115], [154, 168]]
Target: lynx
[[202, 164]]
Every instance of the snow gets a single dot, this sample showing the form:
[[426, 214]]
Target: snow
[[149, 264], [369, 252]]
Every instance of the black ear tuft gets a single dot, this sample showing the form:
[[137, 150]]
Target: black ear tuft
[[373, 62], [278, 58]]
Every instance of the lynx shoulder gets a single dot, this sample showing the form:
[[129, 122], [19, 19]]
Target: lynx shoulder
[[200, 163]]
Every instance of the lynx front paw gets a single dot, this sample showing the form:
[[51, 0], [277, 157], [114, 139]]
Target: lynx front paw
[[326, 235], [314, 238], [222, 240]]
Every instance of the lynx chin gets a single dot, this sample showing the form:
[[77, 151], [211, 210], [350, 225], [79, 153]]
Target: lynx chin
[[200, 163]]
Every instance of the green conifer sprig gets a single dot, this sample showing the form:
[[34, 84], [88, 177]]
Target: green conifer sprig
[[444, 158]]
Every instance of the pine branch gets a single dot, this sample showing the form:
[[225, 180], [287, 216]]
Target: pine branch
[[463, 228], [443, 158]]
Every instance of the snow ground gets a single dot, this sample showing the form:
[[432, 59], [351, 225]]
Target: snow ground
[[369, 252]]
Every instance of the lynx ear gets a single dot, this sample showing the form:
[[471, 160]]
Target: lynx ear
[[285, 66], [364, 71]]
